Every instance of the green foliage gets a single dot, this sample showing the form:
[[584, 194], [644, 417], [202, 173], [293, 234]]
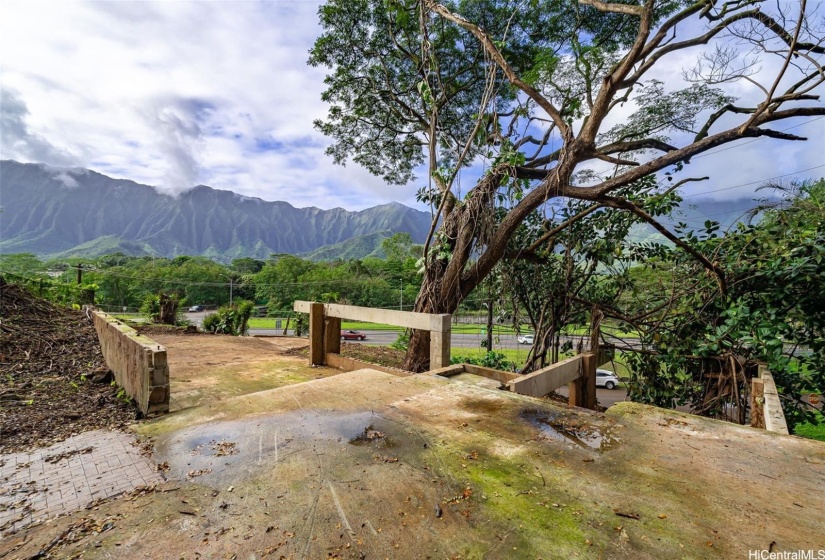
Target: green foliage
[[119, 281], [230, 319], [301, 324], [247, 265], [20, 263], [574, 269], [812, 430], [150, 305], [774, 303], [123, 396], [493, 360], [403, 341]]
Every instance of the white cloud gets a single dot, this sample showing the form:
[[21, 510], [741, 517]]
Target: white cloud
[[176, 94]]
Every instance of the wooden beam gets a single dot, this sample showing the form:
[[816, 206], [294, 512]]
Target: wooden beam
[[502, 377], [588, 380], [440, 340], [448, 371], [774, 417]]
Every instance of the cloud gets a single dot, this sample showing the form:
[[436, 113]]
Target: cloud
[[178, 126], [175, 94], [18, 142], [180, 93], [66, 178]]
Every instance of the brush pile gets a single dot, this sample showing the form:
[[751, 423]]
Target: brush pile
[[53, 380]]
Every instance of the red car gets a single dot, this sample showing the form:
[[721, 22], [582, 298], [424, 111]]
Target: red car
[[352, 335]]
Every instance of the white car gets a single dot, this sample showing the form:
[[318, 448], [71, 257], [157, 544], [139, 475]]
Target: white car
[[606, 379], [525, 338]]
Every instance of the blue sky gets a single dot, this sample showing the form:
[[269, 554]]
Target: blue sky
[[176, 94]]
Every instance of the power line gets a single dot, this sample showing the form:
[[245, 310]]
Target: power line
[[754, 182], [710, 153]]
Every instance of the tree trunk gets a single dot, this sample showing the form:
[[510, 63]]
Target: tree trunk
[[446, 282], [167, 313], [471, 228]]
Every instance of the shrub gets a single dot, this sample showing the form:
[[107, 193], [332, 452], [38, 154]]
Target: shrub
[[229, 319], [493, 360], [301, 324], [403, 341]]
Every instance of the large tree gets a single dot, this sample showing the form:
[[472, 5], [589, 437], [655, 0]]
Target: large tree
[[528, 90]]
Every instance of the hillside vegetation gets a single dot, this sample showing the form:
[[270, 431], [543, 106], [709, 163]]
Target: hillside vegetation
[[57, 213]]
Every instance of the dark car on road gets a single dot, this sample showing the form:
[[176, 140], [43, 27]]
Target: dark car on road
[[352, 335], [195, 308]]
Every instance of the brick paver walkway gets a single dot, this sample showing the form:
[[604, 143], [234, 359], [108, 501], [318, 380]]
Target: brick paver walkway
[[67, 476]]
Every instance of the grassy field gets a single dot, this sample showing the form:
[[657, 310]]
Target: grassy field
[[812, 431], [462, 328]]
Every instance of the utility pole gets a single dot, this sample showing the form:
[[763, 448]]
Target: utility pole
[[79, 267], [401, 305], [230, 290]]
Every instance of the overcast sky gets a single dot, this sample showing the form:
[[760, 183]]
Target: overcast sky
[[177, 94]]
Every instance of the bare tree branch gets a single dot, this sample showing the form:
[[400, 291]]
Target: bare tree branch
[[627, 9], [499, 59], [712, 267]]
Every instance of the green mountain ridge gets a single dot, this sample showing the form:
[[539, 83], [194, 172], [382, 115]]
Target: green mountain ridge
[[62, 212], [359, 247]]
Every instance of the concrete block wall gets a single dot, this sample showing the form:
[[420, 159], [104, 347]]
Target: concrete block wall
[[138, 362]]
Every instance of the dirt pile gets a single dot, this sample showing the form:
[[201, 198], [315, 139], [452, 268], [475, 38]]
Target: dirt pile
[[53, 379]]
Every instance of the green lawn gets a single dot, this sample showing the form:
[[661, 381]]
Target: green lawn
[[812, 431], [458, 328], [517, 355], [461, 328]]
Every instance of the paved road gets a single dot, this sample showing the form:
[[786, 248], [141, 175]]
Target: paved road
[[459, 340], [385, 338], [606, 397]]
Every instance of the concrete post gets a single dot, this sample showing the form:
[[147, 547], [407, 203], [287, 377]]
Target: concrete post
[[575, 396], [316, 334], [757, 402], [332, 335], [588, 380], [440, 340]]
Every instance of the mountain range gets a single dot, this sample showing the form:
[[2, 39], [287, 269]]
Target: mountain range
[[57, 212]]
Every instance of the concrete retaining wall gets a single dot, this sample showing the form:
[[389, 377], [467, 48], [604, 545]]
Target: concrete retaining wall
[[139, 363]]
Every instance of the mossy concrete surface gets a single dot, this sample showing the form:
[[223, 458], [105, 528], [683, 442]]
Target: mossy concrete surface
[[369, 465], [210, 368]]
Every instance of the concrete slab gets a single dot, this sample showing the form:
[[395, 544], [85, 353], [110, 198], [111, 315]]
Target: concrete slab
[[369, 465], [66, 477]]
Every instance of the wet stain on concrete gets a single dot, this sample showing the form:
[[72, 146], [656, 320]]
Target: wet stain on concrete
[[260, 443], [569, 430]]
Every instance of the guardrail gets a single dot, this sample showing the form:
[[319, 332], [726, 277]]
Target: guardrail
[[578, 373], [766, 410], [325, 328]]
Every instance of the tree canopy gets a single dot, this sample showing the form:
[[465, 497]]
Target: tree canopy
[[527, 94]]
